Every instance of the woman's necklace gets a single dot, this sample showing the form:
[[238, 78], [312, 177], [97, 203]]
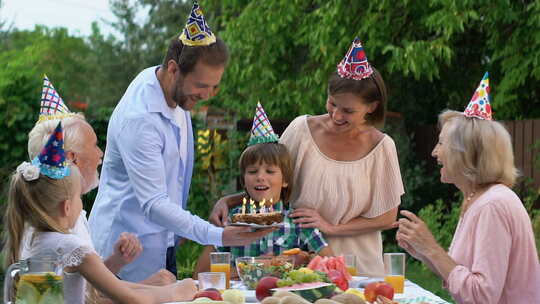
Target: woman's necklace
[[470, 196], [468, 201]]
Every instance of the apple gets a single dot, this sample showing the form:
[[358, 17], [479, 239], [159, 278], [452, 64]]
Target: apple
[[210, 293], [339, 279], [212, 289], [264, 287], [375, 289]]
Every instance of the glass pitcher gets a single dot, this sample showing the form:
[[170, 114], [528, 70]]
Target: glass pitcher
[[40, 282]]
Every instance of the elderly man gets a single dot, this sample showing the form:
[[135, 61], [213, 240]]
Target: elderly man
[[148, 162], [80, 143]]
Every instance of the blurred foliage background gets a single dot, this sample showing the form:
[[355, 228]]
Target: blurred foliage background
[[431, 53]]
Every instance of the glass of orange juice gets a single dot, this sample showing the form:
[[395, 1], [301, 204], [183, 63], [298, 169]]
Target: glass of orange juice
[[221, 262], [350, 263], [394, 268]]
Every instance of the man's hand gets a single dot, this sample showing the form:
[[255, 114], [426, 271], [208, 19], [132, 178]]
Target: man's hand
[[220, 212], [126, 249], [241, 236]]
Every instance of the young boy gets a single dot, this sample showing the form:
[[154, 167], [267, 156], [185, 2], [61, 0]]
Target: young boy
[[266, 174]]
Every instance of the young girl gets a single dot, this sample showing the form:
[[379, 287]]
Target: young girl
[[266, 174], [46, 195]]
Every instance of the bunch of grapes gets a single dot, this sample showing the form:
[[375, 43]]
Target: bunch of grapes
[[302, 275]]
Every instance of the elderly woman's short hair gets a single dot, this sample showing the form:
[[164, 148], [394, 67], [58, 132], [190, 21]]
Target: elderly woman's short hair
[[39, 135], [480, 150]]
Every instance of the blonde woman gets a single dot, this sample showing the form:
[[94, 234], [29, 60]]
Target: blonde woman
[[493, 258]]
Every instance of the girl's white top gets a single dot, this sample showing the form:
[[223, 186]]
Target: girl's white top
[[70, 251]]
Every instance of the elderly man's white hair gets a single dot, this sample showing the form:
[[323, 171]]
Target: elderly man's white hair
[[73, 139]]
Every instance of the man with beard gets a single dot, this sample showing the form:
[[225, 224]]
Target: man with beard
[[148, 161]]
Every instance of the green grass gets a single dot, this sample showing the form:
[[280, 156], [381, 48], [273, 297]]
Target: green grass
[[426, 279]]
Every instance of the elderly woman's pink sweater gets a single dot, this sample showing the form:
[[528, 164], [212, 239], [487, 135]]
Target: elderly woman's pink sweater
[[495, 248]]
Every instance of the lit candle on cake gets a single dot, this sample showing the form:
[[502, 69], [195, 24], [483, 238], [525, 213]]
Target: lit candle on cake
[[271, 208], [253, 209], [244, 201], [262, 208]]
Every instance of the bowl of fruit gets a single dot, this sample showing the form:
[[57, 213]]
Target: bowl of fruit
[[252, 269]]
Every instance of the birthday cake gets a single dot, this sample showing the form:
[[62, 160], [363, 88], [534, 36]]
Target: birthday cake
[[263, 215], [258, 218]]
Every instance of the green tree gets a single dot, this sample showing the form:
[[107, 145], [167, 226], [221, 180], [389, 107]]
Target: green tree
[[431, 53], [143, 43], [24, 58]]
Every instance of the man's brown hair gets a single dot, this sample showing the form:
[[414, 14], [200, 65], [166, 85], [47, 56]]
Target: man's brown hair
[[216, 54]]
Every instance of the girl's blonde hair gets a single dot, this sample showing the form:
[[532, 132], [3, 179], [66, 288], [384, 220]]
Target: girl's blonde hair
[[34, 203], [480, 150]]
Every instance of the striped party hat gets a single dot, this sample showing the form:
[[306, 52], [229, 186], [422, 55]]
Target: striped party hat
[[52, 105], [355, 64], [52, 159], [479, 106], [261, 131], [197, 32]]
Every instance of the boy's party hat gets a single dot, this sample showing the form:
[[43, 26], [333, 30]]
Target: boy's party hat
[[261, 131], [52, 105], [52, 160], [479, 106], [197, 32], [355, 64]]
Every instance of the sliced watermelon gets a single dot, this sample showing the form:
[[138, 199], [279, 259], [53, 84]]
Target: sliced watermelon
[[310, 291], [325, 264]]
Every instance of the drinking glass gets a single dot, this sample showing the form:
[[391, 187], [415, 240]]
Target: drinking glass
[[211, 280], [350, 263], [394, 268], [221, 262]]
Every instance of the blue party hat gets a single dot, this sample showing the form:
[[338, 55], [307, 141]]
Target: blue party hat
[[52, 159]]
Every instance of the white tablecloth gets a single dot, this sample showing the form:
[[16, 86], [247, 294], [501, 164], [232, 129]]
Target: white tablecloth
[[412, 292]]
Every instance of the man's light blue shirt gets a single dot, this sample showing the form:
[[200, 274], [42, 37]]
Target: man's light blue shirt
[[142, 171]]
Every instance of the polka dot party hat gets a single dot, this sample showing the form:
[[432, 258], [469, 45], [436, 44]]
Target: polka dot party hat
[[479, 106]]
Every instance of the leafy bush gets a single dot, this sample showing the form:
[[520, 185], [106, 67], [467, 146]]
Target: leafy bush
[[416, 179], [531, 196], [442, 220], [214, 175]]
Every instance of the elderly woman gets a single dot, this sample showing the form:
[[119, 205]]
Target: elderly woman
[[493, 258], [346, 171]]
